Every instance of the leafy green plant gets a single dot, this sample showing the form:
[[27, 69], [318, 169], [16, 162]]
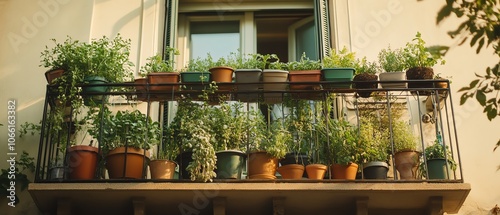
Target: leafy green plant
[[125, 128], [299, 123], [270, 138], [372, 140], [340, 58], [343, 138], [157, 64], [198, 64], [238, 60], [438, 151], [417, 55], [229, 126], [303, 64], [363, 66], [391, 60], [403, 137]]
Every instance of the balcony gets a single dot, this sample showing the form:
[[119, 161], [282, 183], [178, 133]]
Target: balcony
[[430, 111]]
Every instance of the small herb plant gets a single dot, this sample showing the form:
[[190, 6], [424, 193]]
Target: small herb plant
[[438, 151], [272, 138], [340, 59], [403, 137], [417, 55], [344, 148], [304, 64], [157, 64], [125, 128], [372, 140], [363, 66], [391, 60]]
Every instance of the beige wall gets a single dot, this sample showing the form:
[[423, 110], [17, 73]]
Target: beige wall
[[365, 26]]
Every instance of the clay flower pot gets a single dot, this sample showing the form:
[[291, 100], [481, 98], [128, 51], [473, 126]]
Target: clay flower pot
[[340, 171], [262, 166], [135, 164], [82, 162], [291, 171], [407, 164], [316, 171], [162, 169]]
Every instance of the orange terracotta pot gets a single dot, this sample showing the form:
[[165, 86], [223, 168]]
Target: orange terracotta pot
[[262, 166], [162, 169], [53, 74], [291, 171], [295, 77], [348, 172], [223, 75], [134, 167], [82, 162], [316, 171], [164, 78]]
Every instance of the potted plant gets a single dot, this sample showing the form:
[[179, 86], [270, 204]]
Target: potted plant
[[304, 70], [344, 150], [190, 131], [405, 147], [125, 138], [247, 73], [419, 61], [375, 150], [274, 78], [159, 71], [221, 73], [230, 127], [366, 77], [162, 166], [299, 123], [439, 160], [196, 73], [267, 147], [339, 67], [392, 62]]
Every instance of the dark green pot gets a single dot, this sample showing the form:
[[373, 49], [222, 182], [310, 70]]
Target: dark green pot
[[338, 75], [375, 170], [193, 80], [89, 89], [437, 169], [230, 164]]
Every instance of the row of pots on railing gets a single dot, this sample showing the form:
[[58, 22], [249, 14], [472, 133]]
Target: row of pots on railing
[[130, 163], [338, 77]]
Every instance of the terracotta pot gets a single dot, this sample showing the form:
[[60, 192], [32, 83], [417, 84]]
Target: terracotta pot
[[82, 162], [339, 171], [171, 78], [295, 77], [393, 76], [262, 166], [291, 171], [407, 164], [133, 168], [162, 169], [316, 171], [141, 89], [224, 75], [53, 74]]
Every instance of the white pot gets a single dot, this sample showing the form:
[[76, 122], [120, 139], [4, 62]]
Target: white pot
[[393, 76]]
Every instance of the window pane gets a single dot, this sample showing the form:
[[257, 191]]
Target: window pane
[[217, 38]]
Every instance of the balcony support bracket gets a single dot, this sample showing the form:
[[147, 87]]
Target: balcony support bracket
[[219, 205], [436, 205], [278, 206], [139, 206], [362, 206]]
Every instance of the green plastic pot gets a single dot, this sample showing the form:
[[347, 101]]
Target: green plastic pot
[[230, 164], [194, 79], [89, 89], [437, 169], [341, 75]]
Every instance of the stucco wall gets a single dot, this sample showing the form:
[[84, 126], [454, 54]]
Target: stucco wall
[[364, 26]]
